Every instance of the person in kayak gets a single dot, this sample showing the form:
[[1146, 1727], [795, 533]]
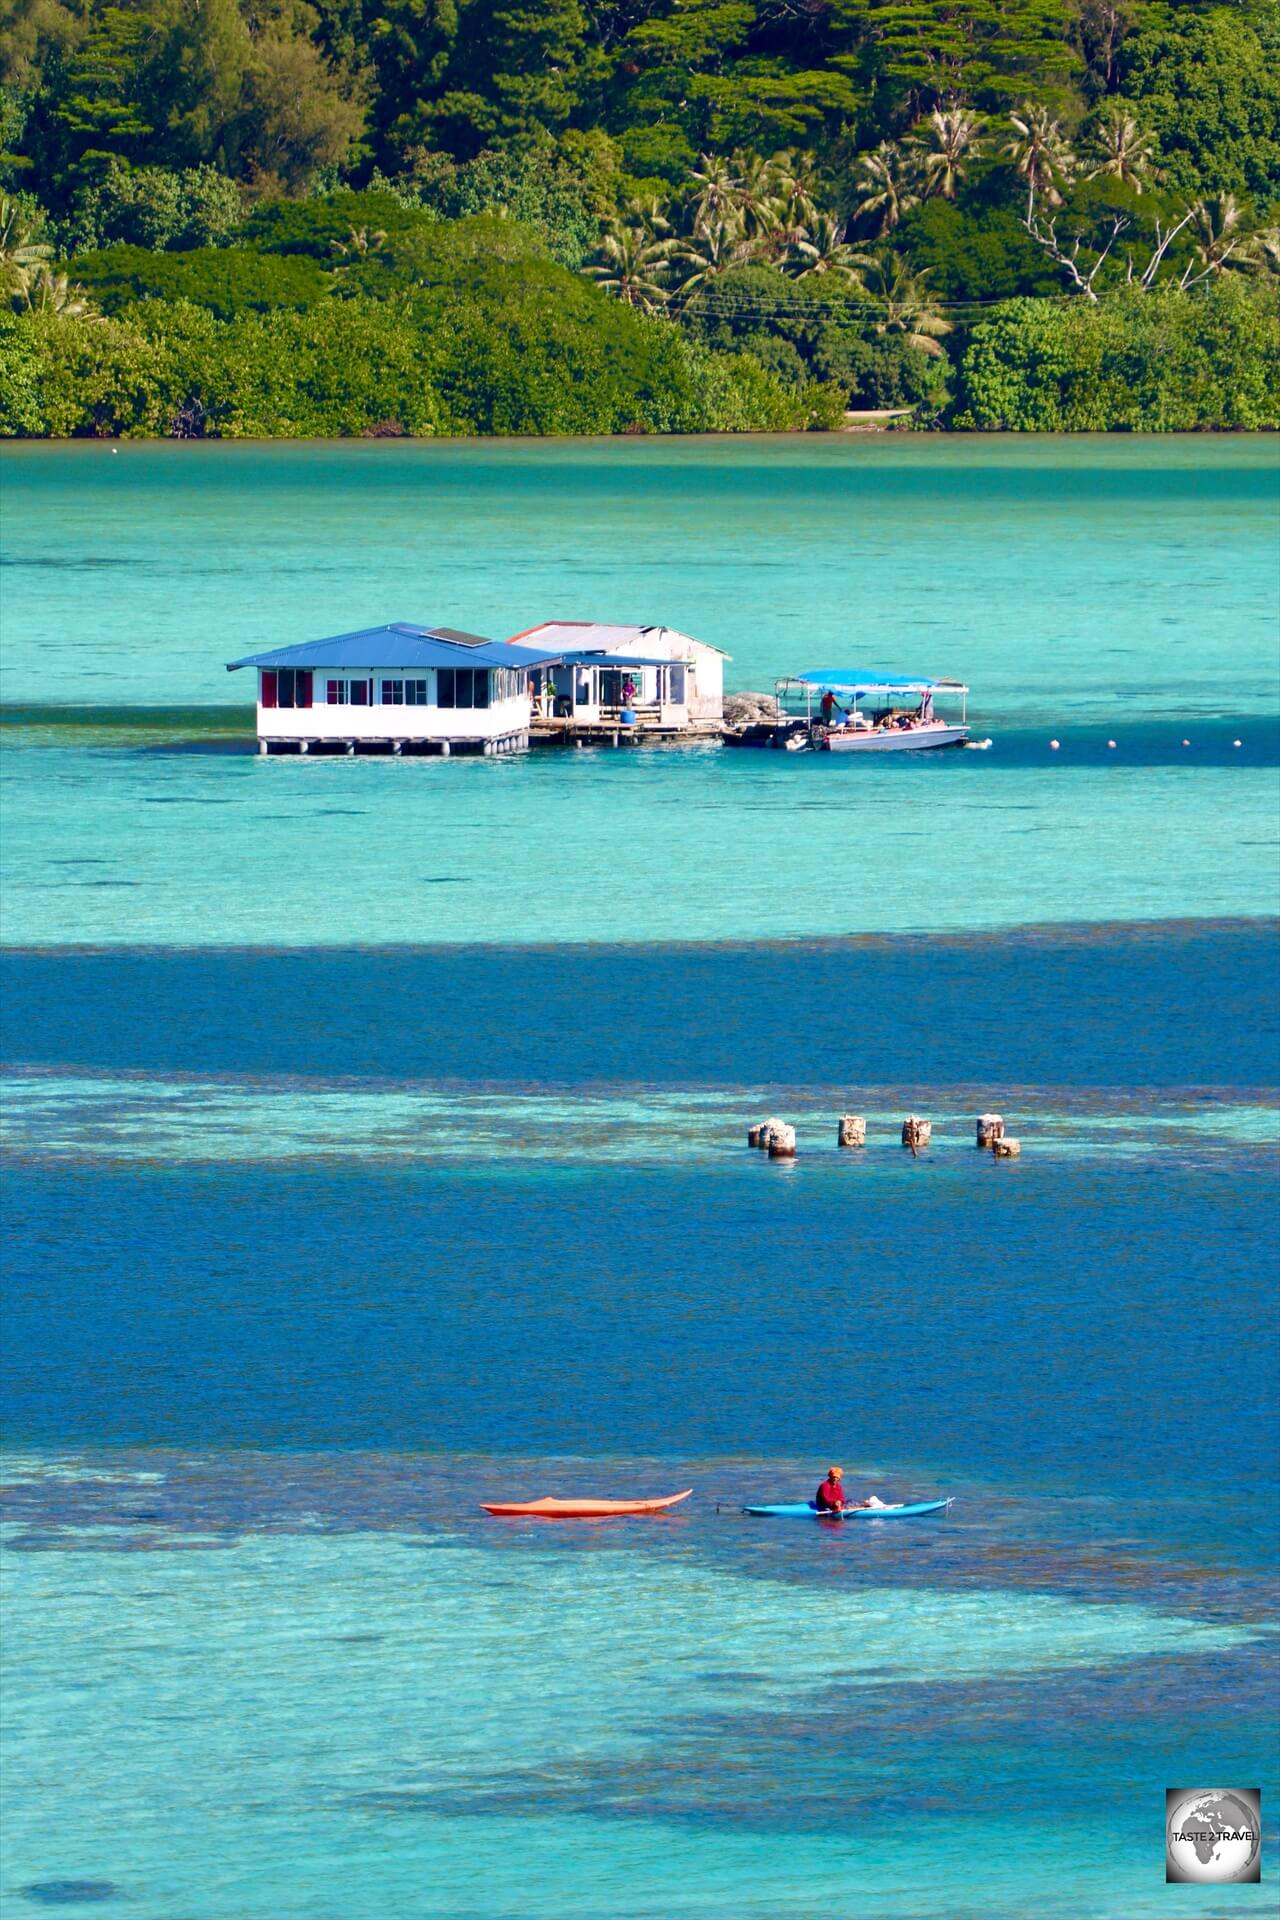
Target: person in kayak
[[830, 1497]]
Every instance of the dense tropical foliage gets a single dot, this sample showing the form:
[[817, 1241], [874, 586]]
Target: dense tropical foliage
[[597, 216]]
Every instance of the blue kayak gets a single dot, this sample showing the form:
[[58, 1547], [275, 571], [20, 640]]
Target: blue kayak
[[806, 1510]]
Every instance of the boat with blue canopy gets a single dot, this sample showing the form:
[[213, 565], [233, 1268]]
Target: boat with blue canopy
[[859, 710]]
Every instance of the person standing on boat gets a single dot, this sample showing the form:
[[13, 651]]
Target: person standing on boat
[[830, 1497], [829, 707]]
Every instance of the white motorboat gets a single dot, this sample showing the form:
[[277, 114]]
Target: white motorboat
[[849, 710]]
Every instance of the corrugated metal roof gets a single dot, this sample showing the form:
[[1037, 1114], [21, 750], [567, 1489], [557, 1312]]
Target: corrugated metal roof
[[399, 645], [595, 635]]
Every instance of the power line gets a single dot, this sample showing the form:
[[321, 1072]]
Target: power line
[[731, 306]]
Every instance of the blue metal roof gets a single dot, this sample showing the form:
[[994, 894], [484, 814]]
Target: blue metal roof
[[398, 645], [868, 680]]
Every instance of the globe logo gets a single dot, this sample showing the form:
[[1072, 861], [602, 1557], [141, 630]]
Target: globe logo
[[1213, 1835]]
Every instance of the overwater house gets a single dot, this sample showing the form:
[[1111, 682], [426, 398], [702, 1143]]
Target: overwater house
[[619, 682], [395, 689]]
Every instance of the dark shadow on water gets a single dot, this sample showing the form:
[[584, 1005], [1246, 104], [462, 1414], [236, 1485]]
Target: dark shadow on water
[[1105, 1006], [71, 1893]]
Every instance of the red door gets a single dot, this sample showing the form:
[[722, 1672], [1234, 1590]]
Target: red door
[[268, 693]]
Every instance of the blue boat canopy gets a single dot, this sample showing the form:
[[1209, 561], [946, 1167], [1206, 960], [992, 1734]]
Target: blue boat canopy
[[399, 645], [867, 680]]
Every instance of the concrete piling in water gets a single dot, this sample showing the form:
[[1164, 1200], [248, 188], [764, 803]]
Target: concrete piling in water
[[1006, 1148], [760, 1132], [782, 1143], [990, 1129], [916, 1133], [851, 1130]]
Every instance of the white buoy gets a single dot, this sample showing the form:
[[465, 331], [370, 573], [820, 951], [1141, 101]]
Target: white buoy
[[1237, 743], [1054, 745], [1186, 743], [1111, 743]]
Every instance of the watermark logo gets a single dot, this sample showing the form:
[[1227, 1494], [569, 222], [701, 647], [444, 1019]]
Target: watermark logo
[[1213, 1835]]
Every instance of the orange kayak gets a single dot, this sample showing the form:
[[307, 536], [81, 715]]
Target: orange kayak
[[585, 1509]]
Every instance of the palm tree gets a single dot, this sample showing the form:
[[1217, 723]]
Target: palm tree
[[1123, 151], [715, 198], [1224, 236], [49, 292], [1040, 153], [795, 194], [711, 251], [21, 257], [825, 250], [1269, 250], [947, 144], [759, 195], [650, 214], [632, 263], [885, 185], [359, 243], [906, 309]]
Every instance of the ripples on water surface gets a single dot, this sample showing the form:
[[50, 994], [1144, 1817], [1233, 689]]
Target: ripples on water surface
[[320, 1230], [1057, 576], [111, 847]]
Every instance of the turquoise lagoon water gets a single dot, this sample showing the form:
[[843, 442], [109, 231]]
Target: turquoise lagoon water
[[116, 847], [450, 1748], [1087, 590], [1062, 579], [373, 1143]]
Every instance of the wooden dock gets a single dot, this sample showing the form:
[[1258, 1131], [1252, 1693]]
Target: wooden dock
[[396, 749], [612, 733]]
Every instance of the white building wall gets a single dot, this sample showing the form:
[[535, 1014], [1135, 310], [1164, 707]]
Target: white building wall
[[323, 722], [704, 679], [704, 670]]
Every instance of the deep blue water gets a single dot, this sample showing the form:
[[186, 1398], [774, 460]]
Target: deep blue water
[[1072, 1321], [1039, 1329], [1181, 1005], [316, 1233]]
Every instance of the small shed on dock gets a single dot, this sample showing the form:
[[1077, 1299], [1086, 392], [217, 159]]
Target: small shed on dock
[[669, 682], [395, 689]]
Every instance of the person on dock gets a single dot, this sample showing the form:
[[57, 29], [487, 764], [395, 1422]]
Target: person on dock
[[830, 1497]]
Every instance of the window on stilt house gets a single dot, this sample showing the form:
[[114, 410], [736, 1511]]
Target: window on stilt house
[[286, 687], [463, 686]]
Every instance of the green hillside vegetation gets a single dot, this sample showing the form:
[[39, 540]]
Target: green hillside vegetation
[[606, 216]]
